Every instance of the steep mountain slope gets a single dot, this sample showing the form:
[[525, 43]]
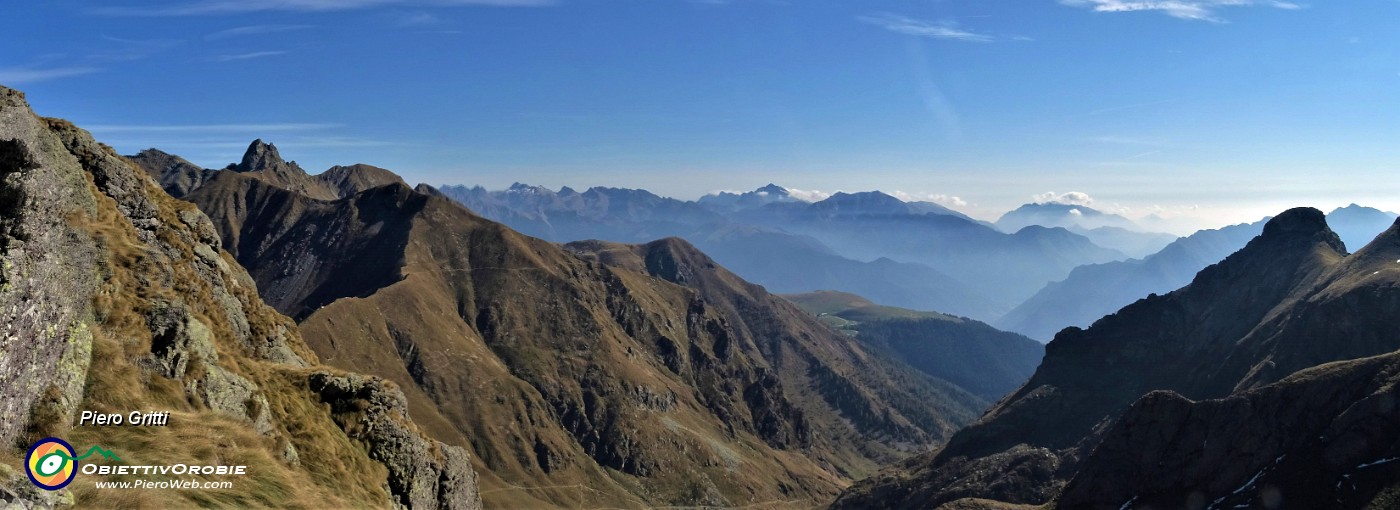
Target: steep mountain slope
[[1093, 291], [779, 260], [602, 375], [970, 354], [1289, 300], [1096, 290], [115, 298]]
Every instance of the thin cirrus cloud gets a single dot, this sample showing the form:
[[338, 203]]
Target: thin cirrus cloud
[[209, 128], [254, 30], [247, 56], [1202, 10], [216, 7], [947, 30], [22, 75]]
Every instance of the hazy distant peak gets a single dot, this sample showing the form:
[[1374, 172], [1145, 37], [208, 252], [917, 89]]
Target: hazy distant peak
[[1356, 209], [735, 201], [1061, 214], [520, 187], [1357, 224], [772, 189]]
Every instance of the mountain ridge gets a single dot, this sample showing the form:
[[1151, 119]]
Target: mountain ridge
[[620, 358], [1242, 327]]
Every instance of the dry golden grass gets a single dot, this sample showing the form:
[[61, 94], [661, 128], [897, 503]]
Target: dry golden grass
[[334, 471]]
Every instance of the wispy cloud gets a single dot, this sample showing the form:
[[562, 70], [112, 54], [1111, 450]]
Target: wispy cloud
[[208, 128], [21, 75], [247, 56], [418, 19], [216, 7], [118, 49], [945, 29], [1203, 10], [1119, 108], [1125, 140], [255, 30]]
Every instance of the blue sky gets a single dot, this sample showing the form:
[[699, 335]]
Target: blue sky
[[1208, 111]]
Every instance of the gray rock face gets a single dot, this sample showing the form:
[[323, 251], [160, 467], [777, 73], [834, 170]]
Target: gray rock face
[[423, 473], [47, 272], [85, 236]]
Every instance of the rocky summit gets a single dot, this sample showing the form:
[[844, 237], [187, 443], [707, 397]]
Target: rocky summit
[[116, 297], [1230, 391]]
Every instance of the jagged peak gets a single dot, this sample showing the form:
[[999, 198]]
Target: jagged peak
[[263, 156]]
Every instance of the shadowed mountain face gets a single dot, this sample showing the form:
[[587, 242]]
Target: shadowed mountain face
[[1290, 300], [1097, 290], [598, 375]]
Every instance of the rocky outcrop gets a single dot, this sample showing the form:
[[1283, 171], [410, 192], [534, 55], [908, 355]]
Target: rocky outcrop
[[264, 162], [423, 473], [48, 274], [116, 298]]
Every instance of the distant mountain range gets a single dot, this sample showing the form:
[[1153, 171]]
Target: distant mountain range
[[919, 255], [1231, 392], [778, 259]]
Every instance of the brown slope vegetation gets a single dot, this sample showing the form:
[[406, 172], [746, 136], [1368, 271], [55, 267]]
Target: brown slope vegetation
[[604, 375], [115, 298], [1290, 300]]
